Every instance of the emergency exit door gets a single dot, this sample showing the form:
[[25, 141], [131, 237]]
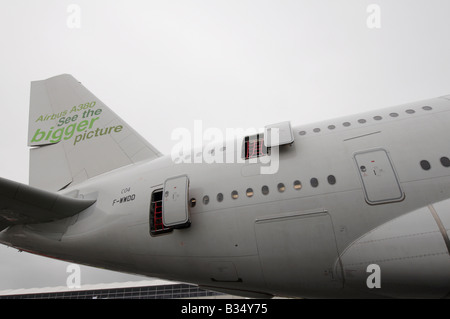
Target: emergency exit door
[[379, 180], [175, 211]]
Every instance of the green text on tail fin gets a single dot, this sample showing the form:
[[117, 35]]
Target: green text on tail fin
[[74, 136]]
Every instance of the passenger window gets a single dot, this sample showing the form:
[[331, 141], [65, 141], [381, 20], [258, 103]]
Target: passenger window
[[297, 185], [281, 187], [314, 182], [193, 201], [265, 190], [234, 194], [331, 179], [249, 192], [445, 161], [205, 200], [219, 197], [425, 165]]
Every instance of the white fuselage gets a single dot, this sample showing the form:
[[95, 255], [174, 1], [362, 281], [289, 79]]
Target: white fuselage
[[366, 197]]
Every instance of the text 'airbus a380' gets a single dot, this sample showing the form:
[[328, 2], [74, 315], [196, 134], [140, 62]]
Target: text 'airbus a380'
[[347, 208]]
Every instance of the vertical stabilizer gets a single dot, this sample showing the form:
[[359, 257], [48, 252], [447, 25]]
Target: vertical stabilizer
[[74, 136]]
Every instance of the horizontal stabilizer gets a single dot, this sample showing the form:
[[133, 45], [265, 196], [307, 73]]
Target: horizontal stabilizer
[[23, 204]]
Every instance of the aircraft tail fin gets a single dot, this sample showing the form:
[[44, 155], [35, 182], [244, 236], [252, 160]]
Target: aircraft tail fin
[[74, 136]]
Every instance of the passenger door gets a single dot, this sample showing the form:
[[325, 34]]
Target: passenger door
[[378, 177]]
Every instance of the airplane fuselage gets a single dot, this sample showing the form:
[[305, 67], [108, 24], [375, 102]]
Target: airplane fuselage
[[349, 193]]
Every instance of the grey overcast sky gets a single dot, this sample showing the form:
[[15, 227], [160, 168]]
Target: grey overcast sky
[[163, 64]]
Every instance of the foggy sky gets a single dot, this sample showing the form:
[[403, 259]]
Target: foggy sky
[[163, 64]]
